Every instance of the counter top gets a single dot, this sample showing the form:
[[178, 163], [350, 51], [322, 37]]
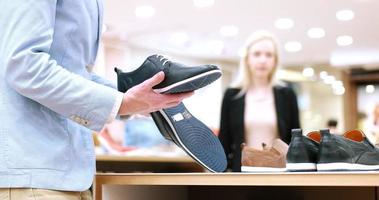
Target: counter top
[[243, 179]]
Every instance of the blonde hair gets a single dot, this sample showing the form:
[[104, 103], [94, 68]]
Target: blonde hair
[[244, 78]]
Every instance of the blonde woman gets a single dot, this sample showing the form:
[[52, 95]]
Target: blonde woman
[[256, 110]]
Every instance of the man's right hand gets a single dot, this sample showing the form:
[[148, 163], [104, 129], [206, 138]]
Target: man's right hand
[[142, 98]]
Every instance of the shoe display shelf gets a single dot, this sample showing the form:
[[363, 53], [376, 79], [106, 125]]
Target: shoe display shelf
[[284, 185]]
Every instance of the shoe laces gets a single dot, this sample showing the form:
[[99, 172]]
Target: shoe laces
[[162, 59]]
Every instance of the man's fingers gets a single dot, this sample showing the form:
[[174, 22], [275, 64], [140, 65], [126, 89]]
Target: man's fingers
[[175, 99], [155, 80], [172, 104]]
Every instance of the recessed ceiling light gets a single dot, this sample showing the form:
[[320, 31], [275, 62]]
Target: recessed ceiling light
[[370, 89], [179, 38], [329, 79], [339, 90], [308, 72], [284, 23], [345, 15], [144, 11], [293, 46], [344, 40], [229, 31], [316, 32], [203, 3], [337, 84], [323, 74]]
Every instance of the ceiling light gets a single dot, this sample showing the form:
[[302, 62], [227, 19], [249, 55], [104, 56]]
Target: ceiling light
[[203, 3], [323, 74], [179, 38], [339, 90], [308, 72], [370, 89], [337, 84], [293, 46], [316, 32], [284, 23], [344, 40], [144, 11], [345, 15], [329, 79], [229, 31]]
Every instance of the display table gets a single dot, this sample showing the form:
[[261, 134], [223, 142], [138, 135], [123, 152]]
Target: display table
[[362, 185], [116, 158], [149, 163]]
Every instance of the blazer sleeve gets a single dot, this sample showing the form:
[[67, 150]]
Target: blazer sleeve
[[100, 80], [295, 121], [26, 37], [225, 135]]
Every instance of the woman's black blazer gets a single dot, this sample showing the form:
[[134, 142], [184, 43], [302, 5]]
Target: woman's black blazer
[[232, 121]]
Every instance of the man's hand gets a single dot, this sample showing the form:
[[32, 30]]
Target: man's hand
[[142, 98]]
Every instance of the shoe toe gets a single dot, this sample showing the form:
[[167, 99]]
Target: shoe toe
[[213, 67]]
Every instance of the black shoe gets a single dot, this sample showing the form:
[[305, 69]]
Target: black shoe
[[196, 139], [178, 77], [352, 151], [176, 123], [303, 151]]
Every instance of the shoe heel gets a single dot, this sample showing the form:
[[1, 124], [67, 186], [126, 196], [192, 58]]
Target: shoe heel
[[331, 156]]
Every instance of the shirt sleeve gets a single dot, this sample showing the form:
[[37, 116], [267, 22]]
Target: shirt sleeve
[[116, 107]]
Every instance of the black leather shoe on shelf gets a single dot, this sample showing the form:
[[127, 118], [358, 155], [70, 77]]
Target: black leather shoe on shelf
[[177, 123], [178, 77], [349, 152], [303, 151]]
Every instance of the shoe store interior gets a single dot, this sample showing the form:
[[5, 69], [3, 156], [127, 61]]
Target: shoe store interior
[[285, 102]]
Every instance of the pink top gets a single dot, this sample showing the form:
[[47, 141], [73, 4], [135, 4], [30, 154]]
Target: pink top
[[260, 118]]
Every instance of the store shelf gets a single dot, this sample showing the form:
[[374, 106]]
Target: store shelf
[[147, 163], [167, 159], [242, 179]]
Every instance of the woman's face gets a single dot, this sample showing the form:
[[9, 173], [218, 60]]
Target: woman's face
[[261, 58]]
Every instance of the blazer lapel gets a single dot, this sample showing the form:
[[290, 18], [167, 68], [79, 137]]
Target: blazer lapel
[[279, 108], [240, 118]]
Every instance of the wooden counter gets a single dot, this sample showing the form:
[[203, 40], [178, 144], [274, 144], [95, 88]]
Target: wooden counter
[[367, 180], [126, 164], [166, 159]]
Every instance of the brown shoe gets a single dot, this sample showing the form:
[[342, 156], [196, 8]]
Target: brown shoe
[[270, 159]]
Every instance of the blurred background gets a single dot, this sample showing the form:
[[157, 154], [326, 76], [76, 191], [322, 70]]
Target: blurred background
[[329, 51]]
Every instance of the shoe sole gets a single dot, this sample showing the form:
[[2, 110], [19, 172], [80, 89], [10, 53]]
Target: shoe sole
[[196, 139], [262, 169], [191, 84], [346, 167], [301, 167]]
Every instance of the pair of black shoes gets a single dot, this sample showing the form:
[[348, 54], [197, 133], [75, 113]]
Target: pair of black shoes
[[177, 124], [322, 151]]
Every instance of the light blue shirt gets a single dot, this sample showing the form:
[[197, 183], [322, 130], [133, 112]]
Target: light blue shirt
[[49, 102]]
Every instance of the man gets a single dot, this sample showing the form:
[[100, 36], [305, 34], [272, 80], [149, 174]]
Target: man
[[49, 102]]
